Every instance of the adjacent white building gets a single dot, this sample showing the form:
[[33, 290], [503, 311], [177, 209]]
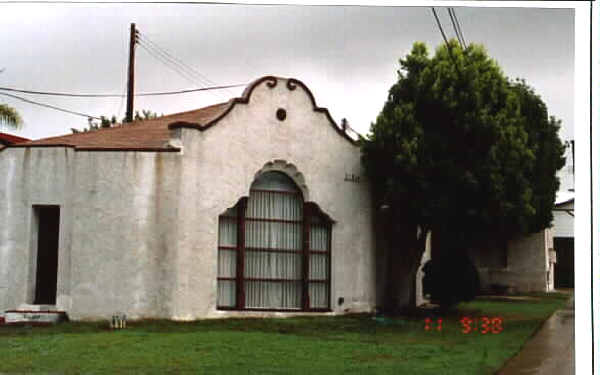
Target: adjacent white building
[[564, 239]]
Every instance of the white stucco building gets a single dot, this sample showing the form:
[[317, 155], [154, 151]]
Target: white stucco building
[[564, 239], [255, 204]]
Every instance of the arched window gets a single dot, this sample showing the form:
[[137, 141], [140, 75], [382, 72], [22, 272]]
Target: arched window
[[274, 250]]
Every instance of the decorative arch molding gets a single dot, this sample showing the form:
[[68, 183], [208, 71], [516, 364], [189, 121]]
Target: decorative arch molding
[[279, 165], [290, 170], [271, 82]]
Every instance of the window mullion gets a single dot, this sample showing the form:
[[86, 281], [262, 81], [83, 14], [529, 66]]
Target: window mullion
[[305, 254], [241, 253]]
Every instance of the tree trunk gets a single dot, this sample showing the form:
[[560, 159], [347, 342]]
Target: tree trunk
[[400, 291], [405, 249]]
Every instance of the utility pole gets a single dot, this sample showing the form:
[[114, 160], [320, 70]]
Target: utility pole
[[131, 73]]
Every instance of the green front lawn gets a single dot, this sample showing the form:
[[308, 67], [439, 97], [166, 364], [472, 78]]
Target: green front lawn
[[302, 345]]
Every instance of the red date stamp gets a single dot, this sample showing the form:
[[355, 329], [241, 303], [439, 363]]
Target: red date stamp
[[481, 324]]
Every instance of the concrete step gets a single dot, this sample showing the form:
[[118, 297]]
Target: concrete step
[[34, 317], [30, 307]]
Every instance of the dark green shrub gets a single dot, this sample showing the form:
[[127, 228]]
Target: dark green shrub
[[450, 279]]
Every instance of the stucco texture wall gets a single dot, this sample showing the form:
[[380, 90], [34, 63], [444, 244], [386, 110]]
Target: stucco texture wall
[[220, 164], [30, 177], [528, 266], [117, 222], [564, 220], [138, 230]]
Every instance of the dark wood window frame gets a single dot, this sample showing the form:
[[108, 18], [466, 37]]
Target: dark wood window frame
[[309, 211]]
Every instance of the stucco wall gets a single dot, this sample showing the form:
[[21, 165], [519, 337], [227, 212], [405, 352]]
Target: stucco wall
[[528, 267], [138, 230], [116, 228], [564, 223], [124, 234], [220, 164]]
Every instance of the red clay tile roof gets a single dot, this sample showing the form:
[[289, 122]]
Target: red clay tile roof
[[138, 135], [10, 139]]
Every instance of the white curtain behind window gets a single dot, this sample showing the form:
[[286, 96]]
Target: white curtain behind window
[[227, 258], [273, 257], [273, 249], [318, 269]]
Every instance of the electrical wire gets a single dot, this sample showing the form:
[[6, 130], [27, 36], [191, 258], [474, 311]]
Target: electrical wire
[[49, 106], [160, 93], [440, 27], [455, 28], [446, 41], [166, 58], [224, 87], [169, 64], [178, 61], [207, 81], [459, 28]]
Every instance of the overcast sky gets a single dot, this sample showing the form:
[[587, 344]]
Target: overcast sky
[[347, 56]]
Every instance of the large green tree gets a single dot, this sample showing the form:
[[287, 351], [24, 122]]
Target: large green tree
[[459, 150]]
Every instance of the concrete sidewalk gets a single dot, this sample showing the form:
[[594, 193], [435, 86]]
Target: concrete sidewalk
[[551, 350]]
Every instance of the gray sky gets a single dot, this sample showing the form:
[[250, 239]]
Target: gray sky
[[347, 56]]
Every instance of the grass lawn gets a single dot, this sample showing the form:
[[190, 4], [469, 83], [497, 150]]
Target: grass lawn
[[303, 345]]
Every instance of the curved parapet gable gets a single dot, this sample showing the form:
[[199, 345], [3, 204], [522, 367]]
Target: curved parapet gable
[[292, 83], [271, 82]]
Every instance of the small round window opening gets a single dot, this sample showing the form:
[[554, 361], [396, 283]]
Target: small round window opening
[[281, 114]]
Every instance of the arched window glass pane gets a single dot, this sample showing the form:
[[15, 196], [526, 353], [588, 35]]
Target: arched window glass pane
[[227, 258], [277, 181], [272, 250], [319, 262], [273, 254]]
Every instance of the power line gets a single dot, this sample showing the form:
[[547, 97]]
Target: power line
[[446, 41], [459, 28], [169, 64], [50, 106], [145, 42], [79, 95], [176, 60], [191, 90], [194, 72], [455, 28], [440, 27]]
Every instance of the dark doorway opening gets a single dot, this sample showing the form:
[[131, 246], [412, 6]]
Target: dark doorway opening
[[48, 218], [564, 269]]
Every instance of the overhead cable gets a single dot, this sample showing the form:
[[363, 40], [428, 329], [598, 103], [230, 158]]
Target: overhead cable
[[440, 27], [170, 64], [49, 106], [159, 55], [174, 67], [79, 95], [464, 42], [178, 61], [455, 29], [446, 41], [186, 67]]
